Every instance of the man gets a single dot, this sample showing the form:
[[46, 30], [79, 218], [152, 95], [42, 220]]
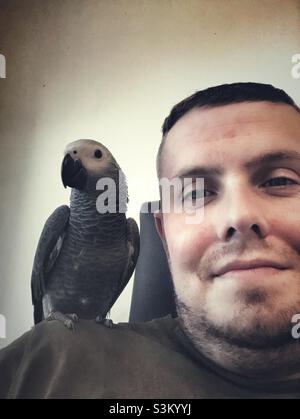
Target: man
[[236, 271]]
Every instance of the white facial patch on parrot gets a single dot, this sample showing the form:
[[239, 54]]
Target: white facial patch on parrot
[[94, 156]]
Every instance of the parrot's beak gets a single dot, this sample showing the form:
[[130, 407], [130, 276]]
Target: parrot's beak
[[73, 173]]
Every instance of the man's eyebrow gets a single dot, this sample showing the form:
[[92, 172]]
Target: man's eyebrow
[[260, 160], [200, 171], [272, 157]]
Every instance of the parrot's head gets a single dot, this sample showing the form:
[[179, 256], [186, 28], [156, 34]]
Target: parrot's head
[[85, 160]]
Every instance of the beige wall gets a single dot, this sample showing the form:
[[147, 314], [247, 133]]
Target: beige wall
[[111, 70]]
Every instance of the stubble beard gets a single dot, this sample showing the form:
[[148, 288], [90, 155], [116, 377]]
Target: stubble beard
[[247, 344]]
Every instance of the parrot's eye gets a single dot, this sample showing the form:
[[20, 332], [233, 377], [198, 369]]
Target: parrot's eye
[[98, 154]]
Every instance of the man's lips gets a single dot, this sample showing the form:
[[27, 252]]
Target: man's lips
[[246, 268]]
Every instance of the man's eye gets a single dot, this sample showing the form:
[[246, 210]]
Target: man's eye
[[280, 181], [197, 194]]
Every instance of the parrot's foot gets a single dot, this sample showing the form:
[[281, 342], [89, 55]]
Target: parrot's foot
[[106, 322], [68, 320]]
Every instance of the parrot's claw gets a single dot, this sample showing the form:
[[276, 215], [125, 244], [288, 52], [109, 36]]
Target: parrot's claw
[[106, 322], [99, 319], [73, 317], [69, 324], [68, 320]]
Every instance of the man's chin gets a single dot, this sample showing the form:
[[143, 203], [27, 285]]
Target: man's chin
[[249, 316], [252, 324], [250, 328], [256, 336]]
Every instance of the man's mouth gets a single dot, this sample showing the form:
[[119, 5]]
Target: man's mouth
[[249, 269]]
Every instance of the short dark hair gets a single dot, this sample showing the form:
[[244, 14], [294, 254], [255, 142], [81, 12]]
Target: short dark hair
[[224, 94]]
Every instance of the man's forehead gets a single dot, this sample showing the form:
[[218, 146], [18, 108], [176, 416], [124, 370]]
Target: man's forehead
[[228, 117], [214, 131]]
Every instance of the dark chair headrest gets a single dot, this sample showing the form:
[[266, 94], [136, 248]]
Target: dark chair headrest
[[153, 294]]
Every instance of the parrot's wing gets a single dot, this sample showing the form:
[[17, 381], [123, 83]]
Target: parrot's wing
[[47, 251], [133, 245]]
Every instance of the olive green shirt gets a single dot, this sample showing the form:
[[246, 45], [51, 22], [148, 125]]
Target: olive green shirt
[[151, 360]]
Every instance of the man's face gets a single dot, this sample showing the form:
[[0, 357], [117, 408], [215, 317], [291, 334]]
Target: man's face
[[238, 270]]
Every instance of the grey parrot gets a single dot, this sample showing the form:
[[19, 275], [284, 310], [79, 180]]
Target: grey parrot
[[85, 257]]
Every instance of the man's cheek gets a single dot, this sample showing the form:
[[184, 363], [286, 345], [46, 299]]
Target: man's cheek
[[187, 246], [288, 231]]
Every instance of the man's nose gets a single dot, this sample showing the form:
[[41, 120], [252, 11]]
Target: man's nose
[[241, 214]]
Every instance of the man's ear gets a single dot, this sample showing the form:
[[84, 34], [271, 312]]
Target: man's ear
[[159, 224]]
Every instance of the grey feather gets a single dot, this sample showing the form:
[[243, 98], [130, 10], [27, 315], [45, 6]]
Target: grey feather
[[133, 246], [48, 249]]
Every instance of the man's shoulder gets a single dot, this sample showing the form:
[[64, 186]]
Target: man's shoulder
[[53, 336], [88, 332], [93, 360], [161, 329]]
